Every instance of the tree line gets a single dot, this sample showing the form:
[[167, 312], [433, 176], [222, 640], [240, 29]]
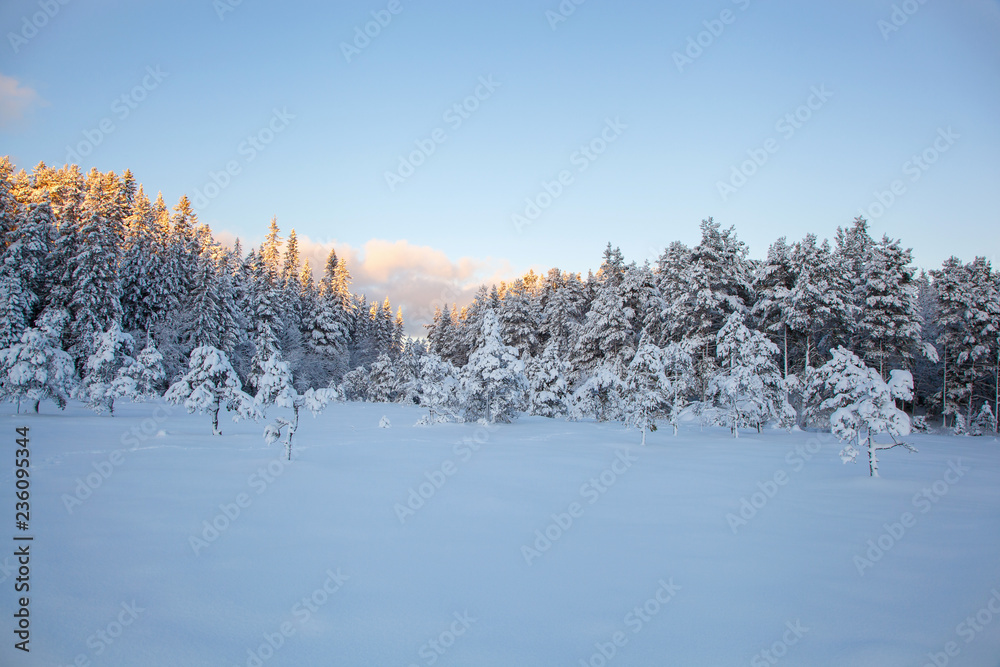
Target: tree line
[[91, 267]]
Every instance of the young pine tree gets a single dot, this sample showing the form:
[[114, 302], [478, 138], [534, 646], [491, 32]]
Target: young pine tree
[[209, 384]]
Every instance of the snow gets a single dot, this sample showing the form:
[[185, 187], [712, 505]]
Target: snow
[[389, 583]]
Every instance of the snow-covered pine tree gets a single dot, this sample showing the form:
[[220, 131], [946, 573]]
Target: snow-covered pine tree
[[853, 250], [174, 264], [112, 353], [888, 322], [548, 389], [599, 396], [36, 367], [386, 329], [494, 379], [608, 335], [290, 261], [678, 368], [804, 300], [209, 384], [968, 328], [716, 284], [398, 333], [451, 333], [672, 281], [183, 248], [354, 385], [461, 331], [210, 315], [647, 388], [363, 339], [277, 389], [863, 405], [142, 379], [642, 294], [563, 303], [314, 400], [24, 270], [773, 284], [928, 369], [270, 250], [95, 289], [748, 385], [329, 335], [985, 421], [146, 296], [275, 385], [519, 318], [383, 385], [10, 209], [15, 305], [438, 388], [439, 332], [820, 303], [264, 304], [408, 369]]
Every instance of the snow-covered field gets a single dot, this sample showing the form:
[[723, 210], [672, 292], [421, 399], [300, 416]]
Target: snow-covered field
[[538, 543]]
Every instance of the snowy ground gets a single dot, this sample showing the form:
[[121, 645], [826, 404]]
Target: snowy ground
[[655, 569]]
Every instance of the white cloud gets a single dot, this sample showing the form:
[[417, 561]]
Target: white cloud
[[15, 100], [416, 278]]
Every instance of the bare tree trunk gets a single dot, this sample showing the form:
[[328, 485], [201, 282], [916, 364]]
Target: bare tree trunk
[[800, 419], [972, 390], [805, 369], [704, 381], [872, 458], [786, 351], [881, 359], [292, 428], [944, 392]]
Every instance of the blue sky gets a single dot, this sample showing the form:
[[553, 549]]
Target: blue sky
[[680, 130]]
